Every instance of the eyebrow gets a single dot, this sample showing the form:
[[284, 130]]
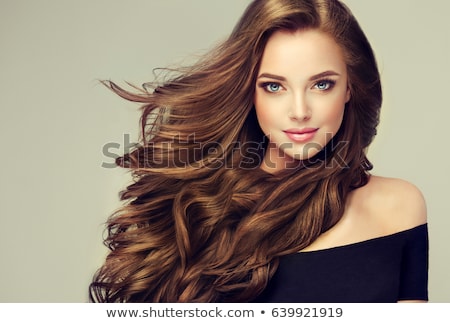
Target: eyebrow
[[312, 78]]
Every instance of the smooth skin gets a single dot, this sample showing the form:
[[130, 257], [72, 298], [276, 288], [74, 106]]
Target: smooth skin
[[300, 95], [300, 98]]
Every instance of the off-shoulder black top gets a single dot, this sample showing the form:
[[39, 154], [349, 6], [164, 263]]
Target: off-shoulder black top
[[380, 270]]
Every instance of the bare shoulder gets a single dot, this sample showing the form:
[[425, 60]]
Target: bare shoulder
[[382, 207], [394, 204]]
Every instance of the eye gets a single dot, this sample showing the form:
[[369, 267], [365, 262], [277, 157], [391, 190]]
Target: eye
[[325, 85], [271, 87]]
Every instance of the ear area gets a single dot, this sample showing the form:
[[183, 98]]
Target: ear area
[[348, 95]]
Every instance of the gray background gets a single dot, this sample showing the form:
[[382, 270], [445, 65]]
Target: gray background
[[56, 119]]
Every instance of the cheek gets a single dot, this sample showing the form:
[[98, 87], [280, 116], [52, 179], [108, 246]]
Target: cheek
[[336, 115], [334, 112], [333, 122], [264, 113], [263, 116]]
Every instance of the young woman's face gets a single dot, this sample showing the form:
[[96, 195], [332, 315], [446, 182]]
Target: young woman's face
[[300, 96]]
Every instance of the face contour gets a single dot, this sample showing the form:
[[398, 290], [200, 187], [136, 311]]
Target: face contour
[[300, 95]]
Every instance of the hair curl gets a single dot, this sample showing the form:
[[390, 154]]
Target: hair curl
[[202, 222]]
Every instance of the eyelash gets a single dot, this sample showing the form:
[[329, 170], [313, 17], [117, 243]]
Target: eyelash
[[330, 84], [265, 86]]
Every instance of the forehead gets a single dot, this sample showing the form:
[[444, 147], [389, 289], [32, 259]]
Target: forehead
[[308, 50]]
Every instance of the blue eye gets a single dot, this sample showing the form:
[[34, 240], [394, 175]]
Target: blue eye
[[325, 85], [271, 87]]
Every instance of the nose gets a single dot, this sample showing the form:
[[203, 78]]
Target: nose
[[299, 110]]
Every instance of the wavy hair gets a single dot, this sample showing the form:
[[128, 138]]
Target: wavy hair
[[201, 221]]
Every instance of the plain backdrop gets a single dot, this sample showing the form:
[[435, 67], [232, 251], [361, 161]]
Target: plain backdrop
[[56, 120]]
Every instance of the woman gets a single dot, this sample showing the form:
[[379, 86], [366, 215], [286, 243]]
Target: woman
[[252, 183]]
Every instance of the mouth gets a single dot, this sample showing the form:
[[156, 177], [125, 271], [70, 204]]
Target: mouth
[[301, 135]]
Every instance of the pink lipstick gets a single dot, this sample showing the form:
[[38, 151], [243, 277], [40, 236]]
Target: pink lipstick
[[301, 135]]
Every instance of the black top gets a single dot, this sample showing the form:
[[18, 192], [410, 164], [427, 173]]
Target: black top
[[380, 270]]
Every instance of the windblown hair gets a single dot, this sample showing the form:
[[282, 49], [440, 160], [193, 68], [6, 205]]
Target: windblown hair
[[201, 221]]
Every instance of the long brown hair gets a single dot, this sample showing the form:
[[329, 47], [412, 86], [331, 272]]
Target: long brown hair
[[202, 222]]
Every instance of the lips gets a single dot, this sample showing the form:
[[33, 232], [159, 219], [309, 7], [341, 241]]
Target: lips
[[301, 135]]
